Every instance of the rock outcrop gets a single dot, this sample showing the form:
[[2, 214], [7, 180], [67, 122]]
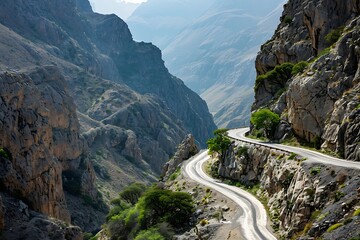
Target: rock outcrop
[[321, 103], [23, 223], [304, 199], [185, 150], [38, 119]]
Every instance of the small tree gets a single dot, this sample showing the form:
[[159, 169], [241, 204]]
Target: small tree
[[220, 143], [132, 193], [265, 119]]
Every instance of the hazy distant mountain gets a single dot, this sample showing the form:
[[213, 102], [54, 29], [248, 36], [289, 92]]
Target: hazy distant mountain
[[120, 8], [215, 55], [212, 46], [158, 21]]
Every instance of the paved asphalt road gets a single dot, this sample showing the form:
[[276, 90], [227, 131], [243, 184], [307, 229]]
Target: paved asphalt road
[[311, 156], [253, 221]]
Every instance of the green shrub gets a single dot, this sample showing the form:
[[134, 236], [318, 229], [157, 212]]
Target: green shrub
[[280, 74], [334, 35], [324, 52], [87, 236], [335, 226], [339, 195], [265, 119], [299, 67], [356, 213], [355, 238], [242, 151], [162, 205], [175, 174], [5, 153], [220, 143], [292, 156], [151, 234], [315, 215], [288, 20], [132, 193], [315, 170], [116, 210], [154, 212]]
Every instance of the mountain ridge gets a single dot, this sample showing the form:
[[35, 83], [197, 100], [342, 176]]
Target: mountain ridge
[[128, 116]]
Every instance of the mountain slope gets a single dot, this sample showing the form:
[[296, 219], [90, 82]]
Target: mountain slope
[[215, 54], [158, 21], [132, 111]]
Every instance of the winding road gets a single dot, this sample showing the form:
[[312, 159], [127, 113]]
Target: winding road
[[311, 156], [254, 218], [253, 221]]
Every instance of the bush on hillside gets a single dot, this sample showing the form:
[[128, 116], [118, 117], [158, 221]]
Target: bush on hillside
[[265, 119]]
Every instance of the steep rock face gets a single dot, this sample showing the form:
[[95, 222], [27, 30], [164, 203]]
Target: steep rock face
[[301, 34], [304, 199], [185, 150], [37, 120], [322, 104]]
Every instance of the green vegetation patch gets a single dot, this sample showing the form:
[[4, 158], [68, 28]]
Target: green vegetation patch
[[280, 73], [243, 151], [338, 195], [292, 156], [323, 52], [335, 226], [356, 213], [315, 170], [220, 143], [149, 214], [265, 119], [175, 174], [334, 35], [5, 153], [288, 19], [151, 234], [299, 67]]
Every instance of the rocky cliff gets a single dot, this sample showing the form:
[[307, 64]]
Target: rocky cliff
[[38, 120], [82, 104], [320, 102], [304, 199], [40, 140], [184, 151]]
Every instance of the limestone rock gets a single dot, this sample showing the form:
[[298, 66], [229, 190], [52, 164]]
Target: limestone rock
[[295, 191], [318, 103], [185, 150], [38, 118]]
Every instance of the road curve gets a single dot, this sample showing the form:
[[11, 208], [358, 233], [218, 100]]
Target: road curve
[[311, 156], [253, 221]]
